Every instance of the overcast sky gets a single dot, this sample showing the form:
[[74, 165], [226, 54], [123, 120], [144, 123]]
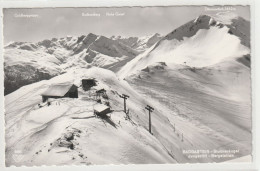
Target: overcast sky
[[32, 25]]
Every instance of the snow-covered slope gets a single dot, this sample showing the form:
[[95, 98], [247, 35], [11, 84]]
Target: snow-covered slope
[[201, 42], [139, 43], [72, 135], [23, 61], [217, 99], [38, 134]]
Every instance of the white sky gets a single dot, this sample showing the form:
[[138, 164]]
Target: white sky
[[137, 21]]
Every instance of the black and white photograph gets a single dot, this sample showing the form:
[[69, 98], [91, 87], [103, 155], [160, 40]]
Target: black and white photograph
[[127, 85]]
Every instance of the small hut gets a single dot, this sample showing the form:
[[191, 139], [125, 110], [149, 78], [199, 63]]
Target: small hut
[[101, 110], [60, 91], [101, 92], [88, 83]]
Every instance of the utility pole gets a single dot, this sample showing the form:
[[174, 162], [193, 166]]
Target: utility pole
[[150, 109], [124, 97]]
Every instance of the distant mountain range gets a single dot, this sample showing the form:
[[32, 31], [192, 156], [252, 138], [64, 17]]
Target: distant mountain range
[[140, 44], [26, 62]]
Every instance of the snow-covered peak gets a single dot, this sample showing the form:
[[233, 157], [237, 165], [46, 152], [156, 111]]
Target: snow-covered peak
[[237, 26], [226, 17], [203, 18], [153, 39], [139, 43], [84, 37], [111, 47], [201, 42], [15, 44], [9, 43], [190, 29], [221, 17]]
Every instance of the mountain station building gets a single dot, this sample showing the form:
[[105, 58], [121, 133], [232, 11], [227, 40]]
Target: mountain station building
[[60, 91]]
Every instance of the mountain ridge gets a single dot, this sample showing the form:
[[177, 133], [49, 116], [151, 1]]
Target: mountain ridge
[[199, 42], [60, 54]]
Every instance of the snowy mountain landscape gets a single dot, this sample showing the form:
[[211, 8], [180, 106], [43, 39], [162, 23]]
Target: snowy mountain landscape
[[50, 58], [139, 44], [197, 78]]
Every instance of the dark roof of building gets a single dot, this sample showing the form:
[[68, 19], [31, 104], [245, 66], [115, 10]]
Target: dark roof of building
[[58, 90]]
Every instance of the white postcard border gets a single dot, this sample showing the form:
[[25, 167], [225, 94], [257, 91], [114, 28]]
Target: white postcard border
[[113, 3]]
